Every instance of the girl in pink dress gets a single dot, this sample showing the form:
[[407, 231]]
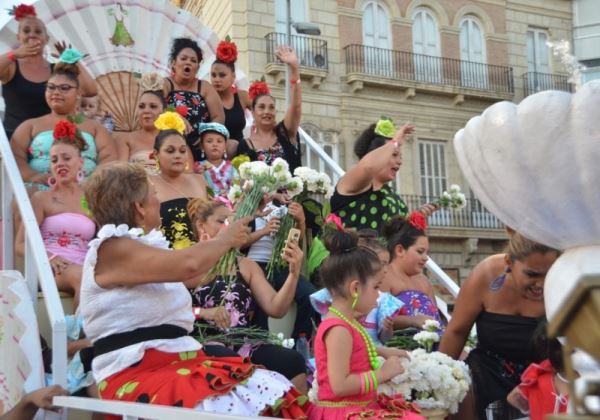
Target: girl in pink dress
[[348, 367]]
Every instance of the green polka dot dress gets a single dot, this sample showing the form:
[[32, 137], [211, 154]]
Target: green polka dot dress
[[368, 210]]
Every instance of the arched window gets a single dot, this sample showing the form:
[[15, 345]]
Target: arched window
[[472, 53], [377, 39], [375, 26], [426, 46]]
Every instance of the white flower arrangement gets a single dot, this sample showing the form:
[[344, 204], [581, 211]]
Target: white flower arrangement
[[428, 336], [432, 380], [315, 182], [452, 198]]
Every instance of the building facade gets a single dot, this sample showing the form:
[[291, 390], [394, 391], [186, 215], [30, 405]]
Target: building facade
[[586, 36], [435, 63]]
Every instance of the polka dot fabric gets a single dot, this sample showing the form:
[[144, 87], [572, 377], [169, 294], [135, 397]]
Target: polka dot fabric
[[368, 210]]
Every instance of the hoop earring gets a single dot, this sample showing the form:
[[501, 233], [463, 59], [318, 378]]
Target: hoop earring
[[157, 166], [52, 182], [354, 300], [186, 168], [80, 176]]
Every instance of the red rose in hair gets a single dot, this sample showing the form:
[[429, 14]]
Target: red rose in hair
[[22, 11], [227, 51], [65, 129], [418, 220], [182, 110], [258, 88]]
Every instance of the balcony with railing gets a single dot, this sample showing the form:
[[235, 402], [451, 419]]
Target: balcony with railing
[[472, 216], [371, 65], [534, 82], [312, 55]]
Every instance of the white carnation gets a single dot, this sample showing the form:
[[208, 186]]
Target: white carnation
[[245, 170], [234, 194], [280, 165], [454, 189]]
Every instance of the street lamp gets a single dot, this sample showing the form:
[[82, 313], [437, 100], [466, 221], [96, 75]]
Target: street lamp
[[305, 28]]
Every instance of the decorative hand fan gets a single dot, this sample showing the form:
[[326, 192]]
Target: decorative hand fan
[[122, 38], [536, 165]]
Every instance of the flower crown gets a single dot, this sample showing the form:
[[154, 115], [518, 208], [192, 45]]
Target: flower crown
[[170, 120], [385, 127], [417, 220], [66, 129], [22, 11], [227, 51], [258, 88]]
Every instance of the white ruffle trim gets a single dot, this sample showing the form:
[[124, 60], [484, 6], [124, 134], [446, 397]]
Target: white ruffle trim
[[154, 238], [249, 398]]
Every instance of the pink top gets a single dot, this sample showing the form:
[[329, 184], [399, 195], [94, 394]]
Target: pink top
[[67, 235], [330, 407]]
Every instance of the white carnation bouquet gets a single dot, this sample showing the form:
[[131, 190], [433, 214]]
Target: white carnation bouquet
[[433, 380], [257, 178], [453, 198], [307, 184]]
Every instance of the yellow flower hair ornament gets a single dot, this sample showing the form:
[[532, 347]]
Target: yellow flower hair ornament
[[170, 120]]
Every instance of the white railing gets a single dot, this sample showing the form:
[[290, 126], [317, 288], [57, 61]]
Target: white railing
[[318, 159], [37, 265]]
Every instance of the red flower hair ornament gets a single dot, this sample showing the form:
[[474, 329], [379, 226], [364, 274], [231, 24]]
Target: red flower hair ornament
[[258, 88], [22, 11], [335, 220], [65, 130], [227, 51], [417, 220]]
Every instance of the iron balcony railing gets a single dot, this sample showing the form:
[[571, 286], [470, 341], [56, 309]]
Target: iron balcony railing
[[534, 82], [405, 65], [312, 52], [472, 216]]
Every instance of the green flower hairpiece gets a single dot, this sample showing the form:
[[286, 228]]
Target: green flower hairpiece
[[70, 56], [385, 128]]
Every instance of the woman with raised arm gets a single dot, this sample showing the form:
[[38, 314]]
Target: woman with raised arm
[[235, 101], [138, 145], [274, 139], [138, 313], [66, 228], [504, 298], [363, 198], [25, 71], [195, 99], [32, 140]]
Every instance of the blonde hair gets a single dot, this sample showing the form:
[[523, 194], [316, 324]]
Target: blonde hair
[[200, 209], [519, 247], [112, 191]]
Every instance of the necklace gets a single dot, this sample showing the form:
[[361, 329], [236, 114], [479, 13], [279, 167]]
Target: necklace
[[371, 350], [173, 187]]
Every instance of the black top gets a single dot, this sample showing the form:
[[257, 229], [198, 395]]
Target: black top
[[508, 336], [197, 113], [369, 209], [24, 100], [176, 224], [235, 120], [282, 148]]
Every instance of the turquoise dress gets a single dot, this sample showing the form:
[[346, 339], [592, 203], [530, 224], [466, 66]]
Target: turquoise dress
[[39, 155]]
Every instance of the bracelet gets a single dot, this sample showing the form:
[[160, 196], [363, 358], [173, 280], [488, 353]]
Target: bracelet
[[362, 384], [11, 56], [295, 82], [367, 382], [375, 381]]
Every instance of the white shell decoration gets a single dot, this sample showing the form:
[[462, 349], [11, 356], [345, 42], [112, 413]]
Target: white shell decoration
[[127, 36], [536, 165]]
